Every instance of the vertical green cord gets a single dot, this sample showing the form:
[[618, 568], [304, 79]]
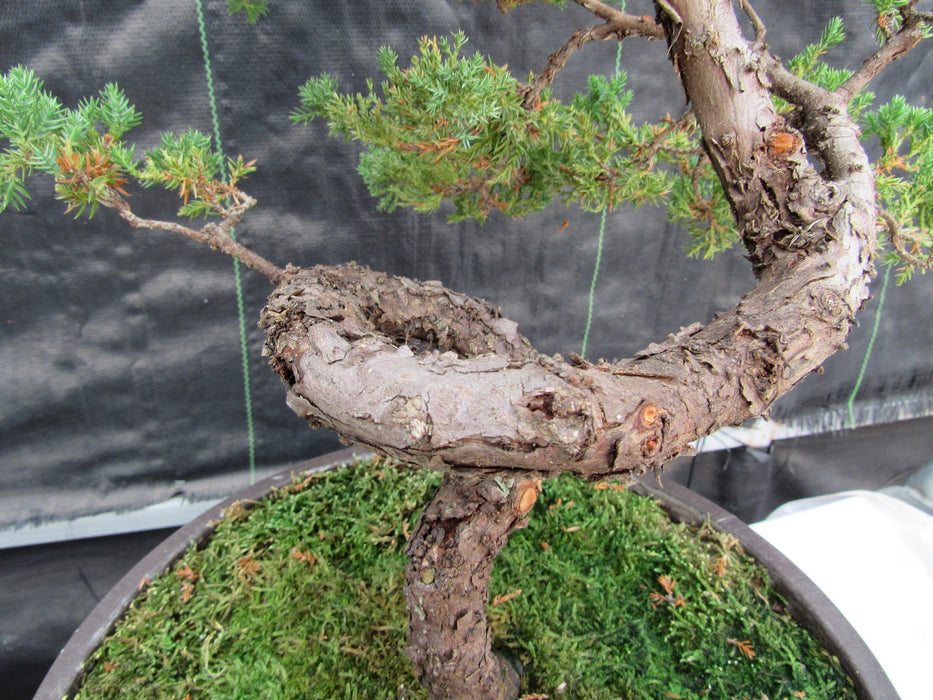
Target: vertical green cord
[[589, 306], [871, 343], [599, 249], [244, 351]]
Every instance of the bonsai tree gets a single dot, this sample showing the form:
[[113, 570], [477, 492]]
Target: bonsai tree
[[768, 153]]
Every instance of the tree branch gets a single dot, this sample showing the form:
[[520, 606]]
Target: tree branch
[[899, 239], [632, 25], [433, 377], [794, 89], [558, 59], [617, 24], [757, 24], [897, 46], [818, 108], [218, 236]]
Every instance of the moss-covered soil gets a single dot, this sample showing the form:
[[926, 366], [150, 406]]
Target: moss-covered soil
[[601, 596]]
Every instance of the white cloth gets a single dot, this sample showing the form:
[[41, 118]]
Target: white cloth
[[872, 555]]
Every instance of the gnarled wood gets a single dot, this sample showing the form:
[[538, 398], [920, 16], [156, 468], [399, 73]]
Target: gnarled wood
[[429, 375], [434, 377], [450, 559]]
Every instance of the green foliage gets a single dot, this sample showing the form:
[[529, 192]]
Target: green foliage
[[180, 161], [80, 147], [456, 128], [453, 128], [699, 203], [186, 163], [889, 18], [887, 7], [84, 151], [29, 117], [807, 63], [463, 130], [904, 179], [254, 9], [301, 596], [115, 112]]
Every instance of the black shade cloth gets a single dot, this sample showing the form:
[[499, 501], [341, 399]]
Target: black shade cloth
[[121, 378]]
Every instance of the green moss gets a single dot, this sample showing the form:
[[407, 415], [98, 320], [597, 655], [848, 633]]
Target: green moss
[[302, 598]]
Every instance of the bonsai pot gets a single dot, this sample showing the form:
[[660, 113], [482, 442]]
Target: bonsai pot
[[806, 603]]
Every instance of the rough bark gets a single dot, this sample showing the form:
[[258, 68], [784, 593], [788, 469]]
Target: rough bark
[[429, 375], [436, 378], [450, 560]]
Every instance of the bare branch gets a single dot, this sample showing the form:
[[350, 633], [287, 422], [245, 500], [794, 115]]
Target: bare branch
[[557, 60], [635, 26], [218, 236], [900, 239], [618, 24], [757, 24], [796, 90], [897, 46]]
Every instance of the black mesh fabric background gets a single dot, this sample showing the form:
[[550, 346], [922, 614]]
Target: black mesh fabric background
[[121, 373]]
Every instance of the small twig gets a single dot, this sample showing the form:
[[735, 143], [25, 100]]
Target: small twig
[[703, 203], [557, 60], [670, 11], [618, 24], [600, 9], [896, 46], [757, 24], [629, 26], [624, 23], [696, 173], [899, 237], [685, 122], [641, 26], [216, 235], [675, 20]]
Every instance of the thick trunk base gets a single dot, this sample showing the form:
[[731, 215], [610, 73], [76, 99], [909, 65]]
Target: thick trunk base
[[450, 559]]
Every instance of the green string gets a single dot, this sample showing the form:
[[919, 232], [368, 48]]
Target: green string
[[244, 351], [871, 343], [589, 306], [599, 248]]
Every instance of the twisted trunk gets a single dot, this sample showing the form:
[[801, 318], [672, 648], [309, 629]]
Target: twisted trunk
[[436, 378]]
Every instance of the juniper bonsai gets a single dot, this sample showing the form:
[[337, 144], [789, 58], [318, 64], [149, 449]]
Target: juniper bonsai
[[768, 153]]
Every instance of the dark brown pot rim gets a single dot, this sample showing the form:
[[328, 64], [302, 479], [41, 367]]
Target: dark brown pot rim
[[807, 603]]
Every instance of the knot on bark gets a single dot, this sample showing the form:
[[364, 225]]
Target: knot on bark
[[642, 444]]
